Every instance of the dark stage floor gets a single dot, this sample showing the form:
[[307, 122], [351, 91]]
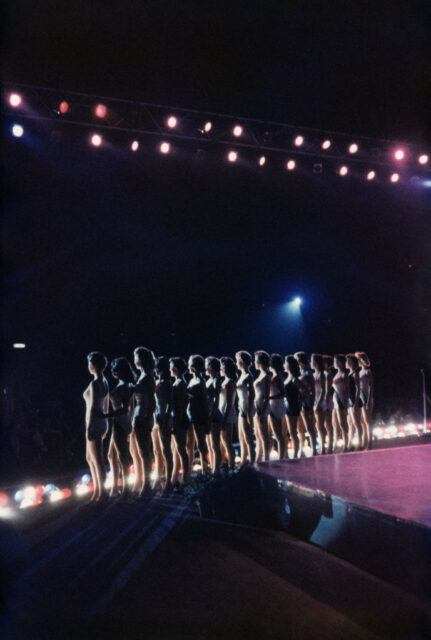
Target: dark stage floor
[[393, 481]]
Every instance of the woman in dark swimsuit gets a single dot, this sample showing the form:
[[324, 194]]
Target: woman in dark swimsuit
[[307, 414], [143, 420], [366, 390], [162, 430], [319, 398], [120, 414], [227, 407], [292, 394], [214, 382], [180, 422], [276, 402], [355, 402], [340, 384], [331, 428], [197, 411], [246, 408]]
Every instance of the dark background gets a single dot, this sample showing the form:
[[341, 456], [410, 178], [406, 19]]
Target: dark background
[[107, 250]]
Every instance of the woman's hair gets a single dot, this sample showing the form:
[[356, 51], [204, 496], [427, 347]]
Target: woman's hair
[[212, 363], [197, 363], [362, 357], [262, 358], [341, 358], [145, 357], [276, 362], [229, 366], [328, 361], [301, 358], [293, 366], [317, 359], [121, 370], [97, 360], [162, 365], [353, 359], [179, 364], [245, 358]]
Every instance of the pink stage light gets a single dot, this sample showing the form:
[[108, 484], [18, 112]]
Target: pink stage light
[[135, 145], [3, 499], [423, 159], [208, 126], [371, 175], [299, 141], [353, 148], [96, 140], [399, 154], [172, 122], [232, 156], [15, 100], [326, 144], [262, 161], [100, 111], [63, 107], [290, 165], [237, 131], [343, 171], [165, 147], [395, 177]]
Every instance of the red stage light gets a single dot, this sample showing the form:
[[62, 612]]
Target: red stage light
[[63, 107], [96, 140], [100, 110], [15, 100], [3, 499], [65, 493]]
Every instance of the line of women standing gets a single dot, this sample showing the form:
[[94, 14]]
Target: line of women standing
[[159, 416]]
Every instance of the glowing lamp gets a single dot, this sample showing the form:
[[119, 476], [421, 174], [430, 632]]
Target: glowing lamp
[[135, 145], [86, 478], [290, 165], [100, 110], [262, 161], [353, 148], [17, 130], [395, 177], [49, 488], [96, 140], [66, 493], [165, 147], [172, 122], [371, 175], [3, 499], [63, 107], [299, 141], [207, 127], [423, 159], [15, 100], [232, 156], [56, 495], [343, 171], [399, 154], [326, 144], [19, 345], [19, 496], [237, 131]]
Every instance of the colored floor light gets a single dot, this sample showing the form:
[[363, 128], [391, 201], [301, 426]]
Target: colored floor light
[[15, 100], [237, 131], [165, 147], [208, 126], [399, 154], [290, 165], [100, 110], [326, 144], [262, 161], [423, 159], [3, 499], [343, 171], [299, 141], [17, 131], [96, 140], [172, 122], [232, 156], [353, 148], [63, 107], [395, 177], [371, 175], [135, 145]]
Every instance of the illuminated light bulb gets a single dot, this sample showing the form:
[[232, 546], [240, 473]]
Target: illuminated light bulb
[[232, 156], [399, 154], [19, 495], [353, 148], [26, 502], [237, 131], [63, 107], [172, 122], [326, 144], [66, 493], [29, 493], [56, 495], [19, 345], [262, 161], [290, 165], [299, 141], [165, 147], [17, 131], [96, 140], [208, 126], [81, 490], [423, 159], [15, 100], [100, 110], [135, 145], [3, 499], [395, 177], [371, 175], [48, 488], [343, 171]]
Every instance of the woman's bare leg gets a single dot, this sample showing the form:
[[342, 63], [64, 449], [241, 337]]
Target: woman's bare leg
[[190, 446], [302, 430], [137, 463], [215, 447], [329, 431], [165, 445], [158, 467], [292, 424], [342, 421], [114, 464], [95, 451], [308, 421], [262, 437], [319, 425], [226, 438], [200, 435], [181, 457], [277, 428]]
